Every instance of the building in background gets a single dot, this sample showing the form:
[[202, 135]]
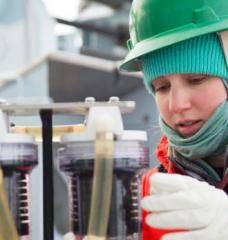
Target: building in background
[[26, 33]]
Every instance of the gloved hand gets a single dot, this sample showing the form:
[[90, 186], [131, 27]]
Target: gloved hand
[[182, 202]]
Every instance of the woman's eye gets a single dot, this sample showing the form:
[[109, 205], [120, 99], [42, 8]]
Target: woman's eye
[[197, 80], [161, 88]]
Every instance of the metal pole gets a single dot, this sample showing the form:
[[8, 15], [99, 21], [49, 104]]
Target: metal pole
[[48, 190]]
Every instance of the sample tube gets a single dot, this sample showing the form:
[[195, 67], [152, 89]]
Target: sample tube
[[17, 161], [130, 161]]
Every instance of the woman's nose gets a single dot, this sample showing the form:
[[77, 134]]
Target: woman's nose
[[179, 100]]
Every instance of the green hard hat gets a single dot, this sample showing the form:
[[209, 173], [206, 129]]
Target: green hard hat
[[155, 24]]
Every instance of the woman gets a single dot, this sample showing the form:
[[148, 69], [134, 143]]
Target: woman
[[184, 67]]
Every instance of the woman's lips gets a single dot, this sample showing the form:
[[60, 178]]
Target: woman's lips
[[188, 128]]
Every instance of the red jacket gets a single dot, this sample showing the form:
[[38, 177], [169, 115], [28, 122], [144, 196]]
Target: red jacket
[[149, 233]]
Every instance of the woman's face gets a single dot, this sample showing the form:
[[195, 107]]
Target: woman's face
[[186, 101]]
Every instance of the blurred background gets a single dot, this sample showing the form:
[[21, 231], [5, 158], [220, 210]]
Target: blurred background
[[65, 51]]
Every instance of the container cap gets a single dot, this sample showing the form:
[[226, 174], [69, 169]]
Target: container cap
[[133, 135], [126, 135]]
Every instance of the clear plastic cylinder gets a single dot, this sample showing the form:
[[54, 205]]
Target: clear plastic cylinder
[[130, 161], [17, 161]]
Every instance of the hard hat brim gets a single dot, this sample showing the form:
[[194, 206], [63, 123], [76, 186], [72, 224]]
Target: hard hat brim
[[132, 61]]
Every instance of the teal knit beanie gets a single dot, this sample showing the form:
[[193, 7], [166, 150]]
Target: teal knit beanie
[[200, 55]]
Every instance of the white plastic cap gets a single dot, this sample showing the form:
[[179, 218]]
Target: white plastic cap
[[134, 135]]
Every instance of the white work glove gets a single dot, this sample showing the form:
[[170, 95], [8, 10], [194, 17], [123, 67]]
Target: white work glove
[[182, 202]]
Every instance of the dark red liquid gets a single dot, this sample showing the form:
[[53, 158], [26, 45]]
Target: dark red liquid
[[125, 213], [16, 182]]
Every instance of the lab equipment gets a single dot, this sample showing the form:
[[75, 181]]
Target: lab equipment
[[127, 154], [17, 161], [130, 158], [18, 156]]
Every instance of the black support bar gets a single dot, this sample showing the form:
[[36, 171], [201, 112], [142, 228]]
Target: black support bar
[[48, 189]]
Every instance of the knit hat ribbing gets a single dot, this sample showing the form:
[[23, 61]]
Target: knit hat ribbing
[[202, 55]]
